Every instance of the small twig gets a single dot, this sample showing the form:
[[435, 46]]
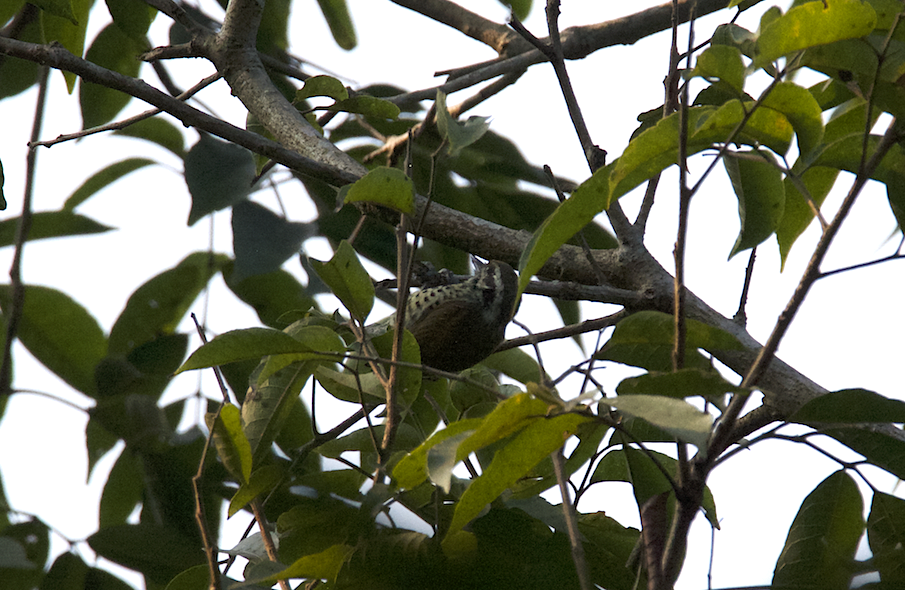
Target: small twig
[[571, 518], [564, 332], [741, 316], [13, 314], [115, 125]]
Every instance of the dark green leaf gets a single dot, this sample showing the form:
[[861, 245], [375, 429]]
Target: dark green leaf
[[51, 224], [758, 184], [159, 305], [263, 240], [348, 280], [159, 131], [114, 50], [336, 13], [104, 178], [645, 339], [811, 24], [850, 406], [384, 186], [23, 552], [886, 535], [680, 384], [273, 34], [61, 334], [132, 16], [60, 8], [218, 174], [823, 537], [277, 297], [159, 552], [122, 492], [68, 572]]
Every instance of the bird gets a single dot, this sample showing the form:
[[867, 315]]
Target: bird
[[459, 325]]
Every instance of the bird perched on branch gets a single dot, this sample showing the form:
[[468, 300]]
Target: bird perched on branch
[[461, 324]]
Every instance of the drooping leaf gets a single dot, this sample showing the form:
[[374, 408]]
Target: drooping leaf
[[103, 178], [348, 280], [389, 187], [229, 440], [122, 492], [218, 174], [263, 240], [69, 33], [133, 17], [336, 13], [811, 24], [823, 537], [758, 184], [114, 50], [60, 333]]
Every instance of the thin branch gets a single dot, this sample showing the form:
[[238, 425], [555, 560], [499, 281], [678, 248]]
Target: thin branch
[[13, 314], [741, 315], [571, 518], [564, 332]]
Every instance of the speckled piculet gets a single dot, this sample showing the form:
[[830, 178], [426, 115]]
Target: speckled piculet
[[460, 325]]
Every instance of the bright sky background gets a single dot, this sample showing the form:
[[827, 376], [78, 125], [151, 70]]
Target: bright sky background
[[847, 335]]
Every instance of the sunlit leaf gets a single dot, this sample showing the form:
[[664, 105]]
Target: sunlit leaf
[[389, 187]]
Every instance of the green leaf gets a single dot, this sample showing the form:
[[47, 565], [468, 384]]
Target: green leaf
[[23, 554], [679, 384], [263, 240], [535, 441], [348, 280], [336, 13], [262, 480], [10, 9], [520, 8], [820, 549], [68, 572], [102, 179], [724, 63], [114, 50], [411, 471], [69, 33], [797, 214], [800, 107], [133, 17], [885, 450], [459, 135], [645, 339], [758, 184], [51, 224], [159, 305], [845, 154], [322, 86], [850, 406], [159, 131], [811, 24], [886, 535], [389, 187], [368, 106], [60, 8], [218, 173], [249, 343], [60, 333], [229, 440], [275, 296], [273, 34], [157, 551], [122, 492], [675, 416]]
